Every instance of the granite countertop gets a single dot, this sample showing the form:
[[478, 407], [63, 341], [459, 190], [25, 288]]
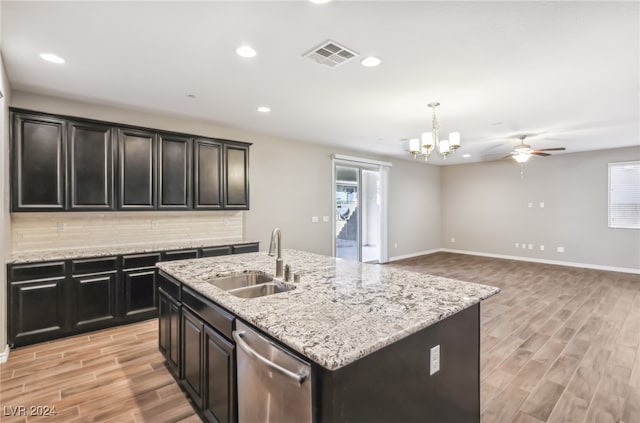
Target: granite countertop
[[341, 310], [112, 250]]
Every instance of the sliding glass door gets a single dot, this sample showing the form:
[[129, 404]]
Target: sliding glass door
[[357, 212]]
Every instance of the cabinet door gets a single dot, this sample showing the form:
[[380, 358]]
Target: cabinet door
[[207, 159], [38, 163], [169, 331], [93, 300], [236, 193], [219, 378], [137, 169], [139, 293], [36, 310], [90, 167], [192, 337], [174, 177]]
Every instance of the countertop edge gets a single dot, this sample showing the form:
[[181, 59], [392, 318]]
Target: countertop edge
[[113, 250]]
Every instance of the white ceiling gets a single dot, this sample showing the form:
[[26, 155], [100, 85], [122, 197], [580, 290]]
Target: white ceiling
[[567, 71]]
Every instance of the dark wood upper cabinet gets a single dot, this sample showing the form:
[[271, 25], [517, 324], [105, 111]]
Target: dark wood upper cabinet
[[68, 163], [236, 177], [174, 176], [207, 160], [38, 163], [91, 176], [137, 169]]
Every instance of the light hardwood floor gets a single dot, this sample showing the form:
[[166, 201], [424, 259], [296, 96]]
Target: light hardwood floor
[[114, 375], [559, 344]]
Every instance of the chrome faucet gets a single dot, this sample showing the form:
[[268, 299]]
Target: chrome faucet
[[277, 235]]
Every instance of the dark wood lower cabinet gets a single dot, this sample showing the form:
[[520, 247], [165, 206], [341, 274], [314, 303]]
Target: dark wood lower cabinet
[[219, 378], [207, 370], [49, 300], [36, 310], [169, 331], [191, 363], [140, 298], [93, 303]]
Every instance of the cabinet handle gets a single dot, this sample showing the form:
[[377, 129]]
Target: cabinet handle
[[298, 377]]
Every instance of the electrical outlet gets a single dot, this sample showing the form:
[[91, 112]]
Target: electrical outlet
[[560, 249], [61, 227], [434, 360], [325, 218], [542, 204], [517, 245], [314, 219], [530, 204], [154, 224], [542, 248], [524, 246], [453, 240], [395, 245], [531, 246]]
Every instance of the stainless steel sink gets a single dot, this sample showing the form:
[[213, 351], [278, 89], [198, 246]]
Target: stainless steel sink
[[250, 284], [241, 280], [259, 290]]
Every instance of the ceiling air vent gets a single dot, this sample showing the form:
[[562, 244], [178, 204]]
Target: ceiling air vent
[[331, 54]]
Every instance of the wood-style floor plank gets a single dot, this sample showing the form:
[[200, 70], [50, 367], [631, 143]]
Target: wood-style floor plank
[[558, 344], [112, 375], [579, 355]]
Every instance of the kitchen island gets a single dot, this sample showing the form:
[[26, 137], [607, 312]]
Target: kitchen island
[[367, 331]]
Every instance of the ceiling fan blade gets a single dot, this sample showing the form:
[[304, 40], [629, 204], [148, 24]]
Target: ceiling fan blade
[[551, 149], [538, 153]]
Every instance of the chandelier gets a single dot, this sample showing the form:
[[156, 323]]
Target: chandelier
[[430, 140]]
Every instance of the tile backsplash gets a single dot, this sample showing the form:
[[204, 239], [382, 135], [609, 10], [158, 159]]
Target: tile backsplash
[[46, 231]]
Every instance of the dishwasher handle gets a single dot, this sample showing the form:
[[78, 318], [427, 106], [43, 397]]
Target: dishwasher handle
[[298, 377]]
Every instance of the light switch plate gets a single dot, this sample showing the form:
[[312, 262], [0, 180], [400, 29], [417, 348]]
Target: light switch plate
[[434, 360], [325, 218], [314, 219]]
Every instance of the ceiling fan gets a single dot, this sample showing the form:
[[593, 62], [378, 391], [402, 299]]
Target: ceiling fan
[[523, 151]]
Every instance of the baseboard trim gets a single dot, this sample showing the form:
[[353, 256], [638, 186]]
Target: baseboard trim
[[4, 355], [545, 261], [420, 253]]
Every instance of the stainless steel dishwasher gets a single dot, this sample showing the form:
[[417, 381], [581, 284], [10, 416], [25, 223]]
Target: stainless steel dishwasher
[[273, 385]]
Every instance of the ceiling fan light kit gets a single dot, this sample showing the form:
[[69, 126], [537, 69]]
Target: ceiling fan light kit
[[523, 151], [424, 147]]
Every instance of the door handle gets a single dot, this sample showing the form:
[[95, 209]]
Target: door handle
[[298, 377]]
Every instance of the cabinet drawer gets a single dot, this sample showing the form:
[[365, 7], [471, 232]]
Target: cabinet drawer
[[140, 260], [216, 251], [179, 255], [245, 248], [214, 315], [108, 264], [170, 287], [23, 272]]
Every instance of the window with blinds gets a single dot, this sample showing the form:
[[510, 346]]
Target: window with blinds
[[624, 195]]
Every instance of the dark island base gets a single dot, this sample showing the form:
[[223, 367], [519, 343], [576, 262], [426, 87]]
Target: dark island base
[[394, 385]]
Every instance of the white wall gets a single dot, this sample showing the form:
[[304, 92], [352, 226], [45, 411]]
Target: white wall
[[290, 180], [486, 209], [5, 223]]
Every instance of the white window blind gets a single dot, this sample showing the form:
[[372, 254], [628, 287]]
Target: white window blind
[[624, 195]]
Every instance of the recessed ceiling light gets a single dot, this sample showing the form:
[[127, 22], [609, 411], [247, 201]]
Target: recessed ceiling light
[[319, 1], [246, 51], [466, 156], [370, 61], [264, 109], [53, 58]]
